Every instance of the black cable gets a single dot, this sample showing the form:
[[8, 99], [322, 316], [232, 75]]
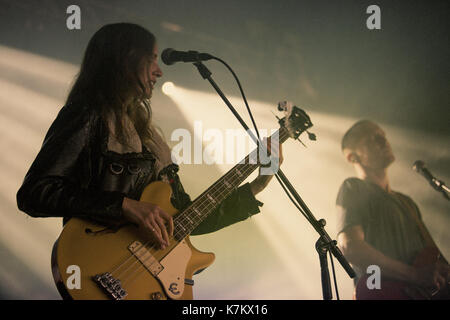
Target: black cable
[[242, 94], [334, 275], [292, 199]]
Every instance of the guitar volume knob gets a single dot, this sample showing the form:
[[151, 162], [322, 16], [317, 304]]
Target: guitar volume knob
[[156, 296]]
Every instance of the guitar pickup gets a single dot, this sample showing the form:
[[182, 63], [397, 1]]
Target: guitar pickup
[[145, 257]]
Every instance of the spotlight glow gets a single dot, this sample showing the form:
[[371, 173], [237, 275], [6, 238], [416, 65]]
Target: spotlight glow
[[168, 88]]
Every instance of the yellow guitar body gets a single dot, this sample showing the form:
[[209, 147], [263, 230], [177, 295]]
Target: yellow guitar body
[[85, 250]]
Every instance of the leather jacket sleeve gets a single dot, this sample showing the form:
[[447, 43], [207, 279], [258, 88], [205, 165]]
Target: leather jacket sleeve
[[57, 183], [63, 179], [239, 206]]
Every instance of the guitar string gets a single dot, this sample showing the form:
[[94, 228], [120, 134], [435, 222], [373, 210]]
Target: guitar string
[[142, 245], [177, 219], [152, 247], [145, 244], [205, 205], [246, 170], [127, 259], [129, 278], [250, 166]]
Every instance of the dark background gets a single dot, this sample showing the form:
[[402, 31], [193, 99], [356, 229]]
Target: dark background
[[316, 53]]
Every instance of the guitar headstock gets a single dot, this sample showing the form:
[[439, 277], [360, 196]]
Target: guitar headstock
[[295, 121]]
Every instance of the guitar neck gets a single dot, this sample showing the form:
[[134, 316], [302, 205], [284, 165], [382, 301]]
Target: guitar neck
[[209, 200]]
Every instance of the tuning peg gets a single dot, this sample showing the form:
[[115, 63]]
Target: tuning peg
[[311, 136], [284, 106]]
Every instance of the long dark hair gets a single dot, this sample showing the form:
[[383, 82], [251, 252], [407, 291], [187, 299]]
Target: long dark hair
[[109, 77]]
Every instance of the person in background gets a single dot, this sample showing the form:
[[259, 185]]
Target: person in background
[[377, 225]]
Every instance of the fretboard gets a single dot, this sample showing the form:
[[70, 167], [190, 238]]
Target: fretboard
[[186, 221]]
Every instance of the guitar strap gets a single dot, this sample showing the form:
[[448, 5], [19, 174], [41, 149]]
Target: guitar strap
[[411, 210]]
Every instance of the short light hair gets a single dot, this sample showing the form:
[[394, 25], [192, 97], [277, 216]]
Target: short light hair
[[351, 137]]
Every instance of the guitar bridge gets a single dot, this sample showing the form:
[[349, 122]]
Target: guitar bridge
[[110, 285]]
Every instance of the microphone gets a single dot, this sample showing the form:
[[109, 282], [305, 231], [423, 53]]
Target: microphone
[[438, 185], [169, 56]]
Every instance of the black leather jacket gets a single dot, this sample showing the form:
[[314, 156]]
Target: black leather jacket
[[75, 175]]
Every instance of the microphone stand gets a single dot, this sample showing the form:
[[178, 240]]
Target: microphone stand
[[445, 191], [324, 243], [440, 186]]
